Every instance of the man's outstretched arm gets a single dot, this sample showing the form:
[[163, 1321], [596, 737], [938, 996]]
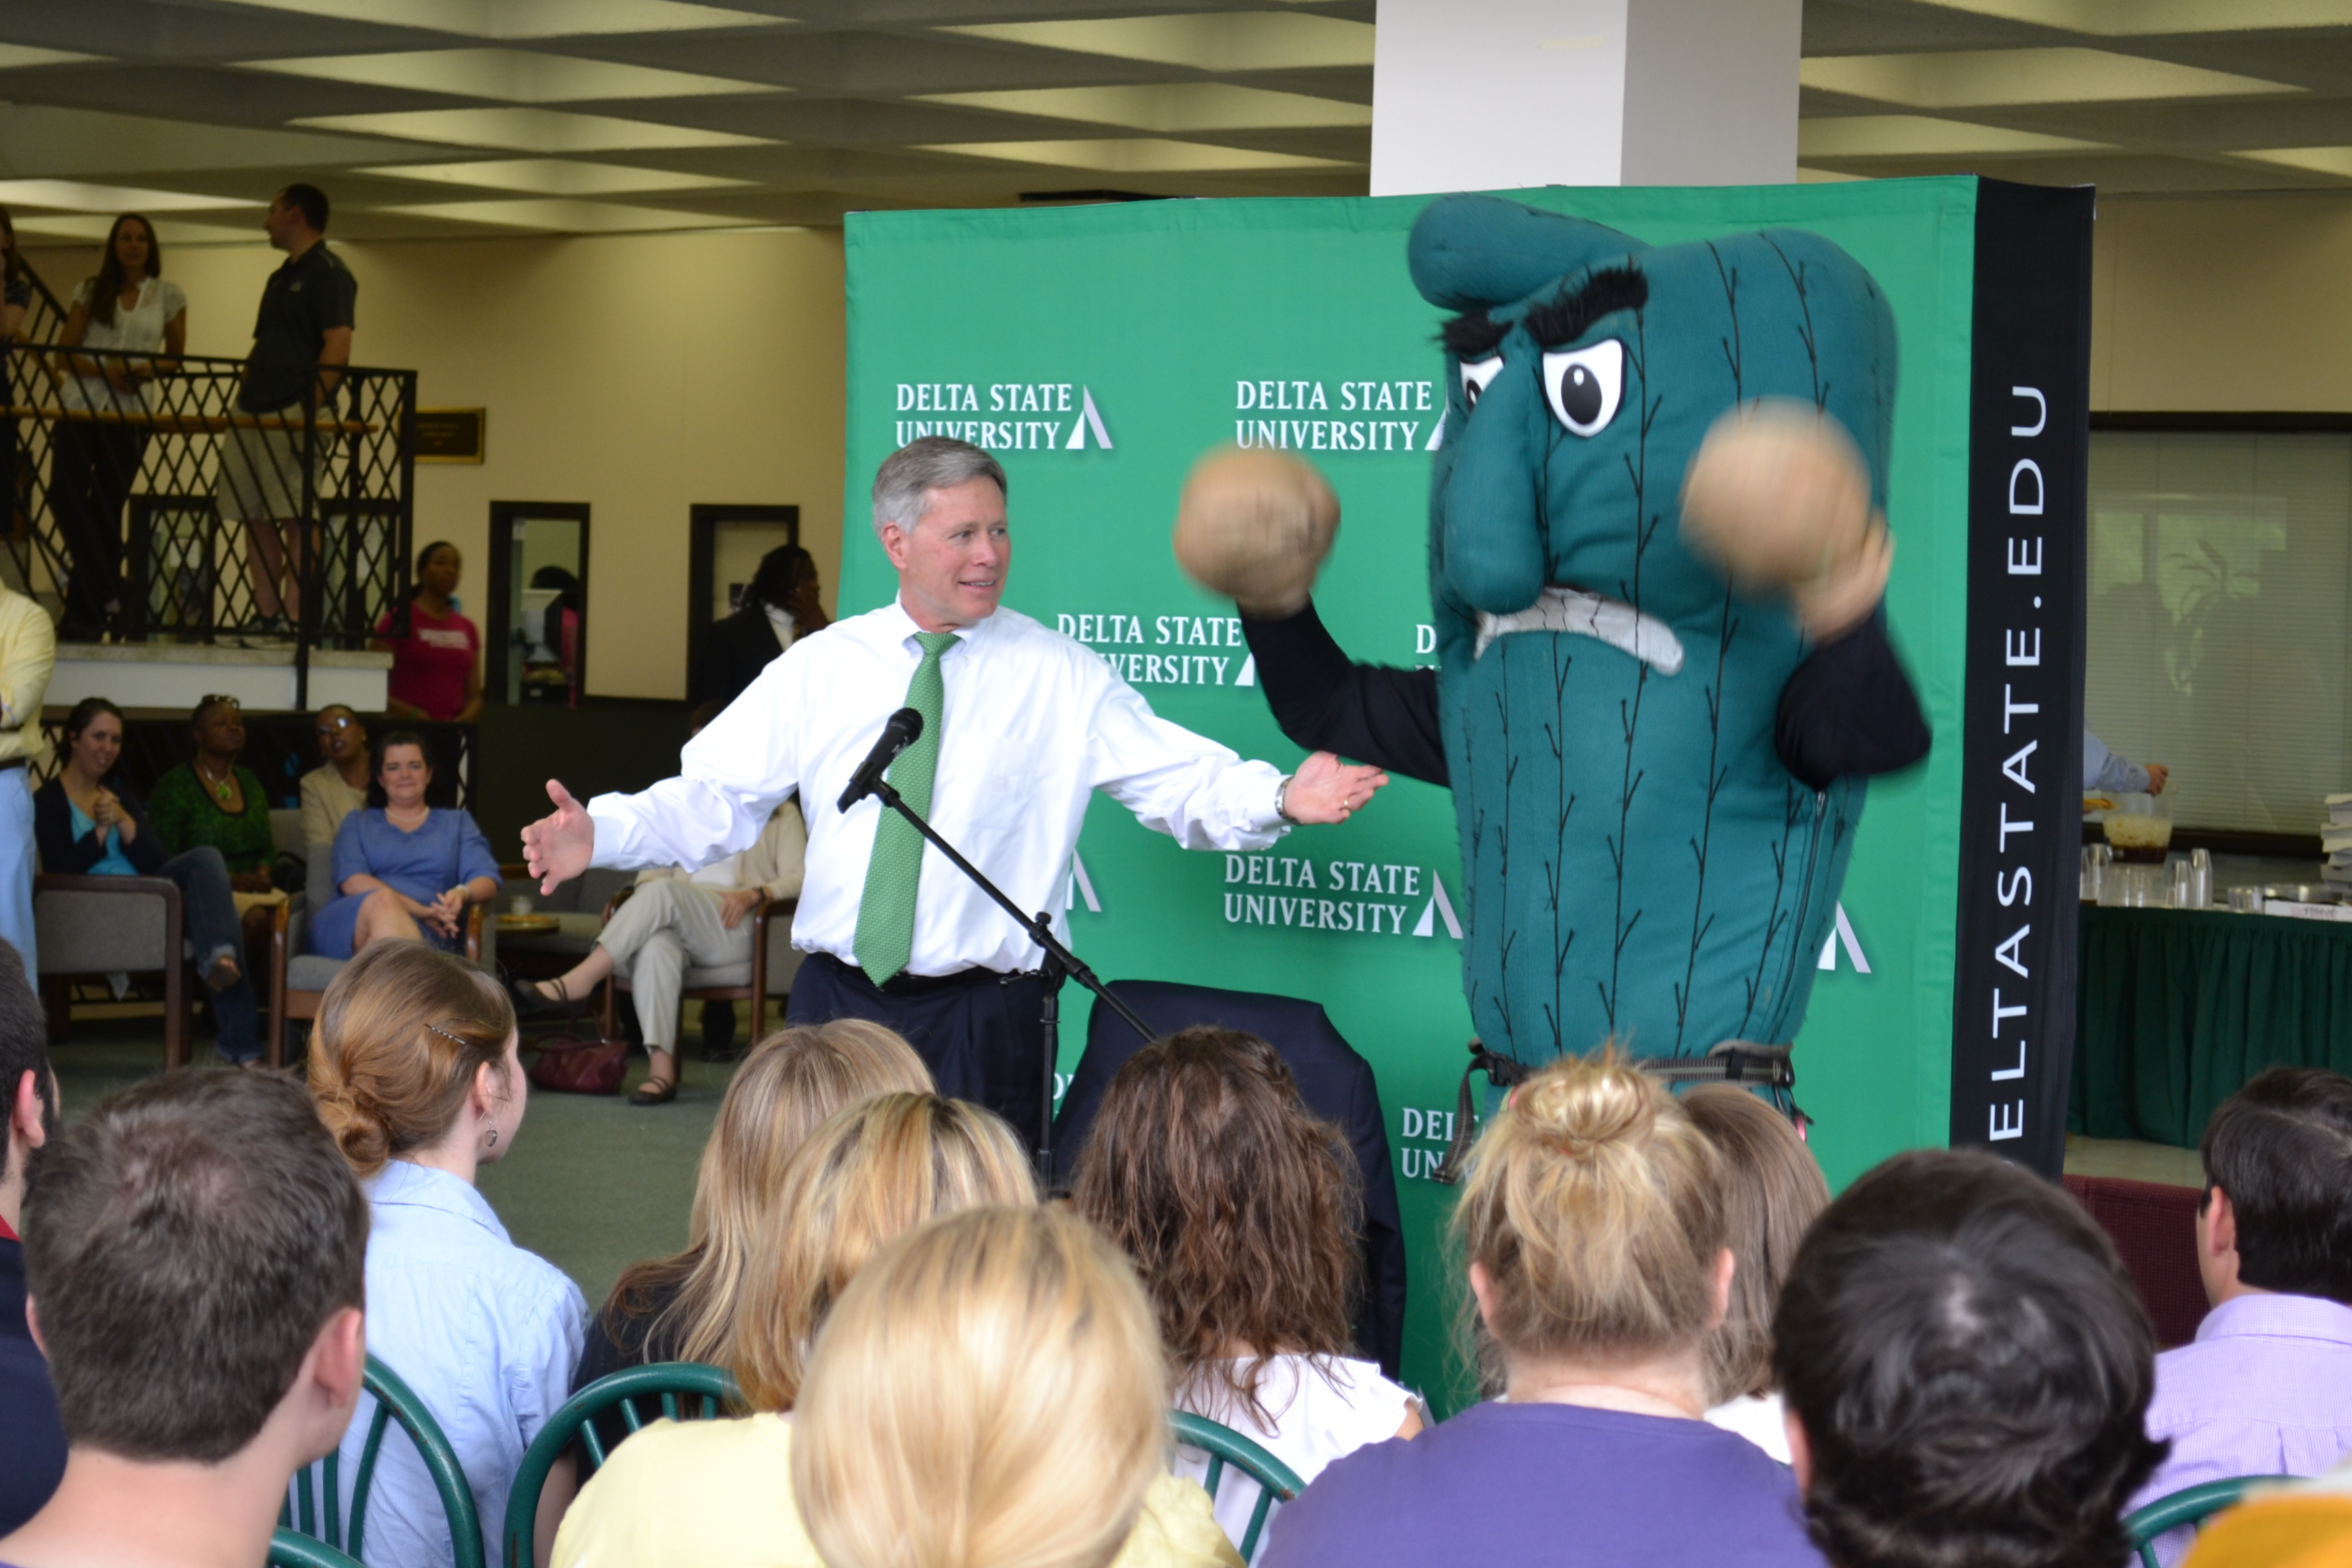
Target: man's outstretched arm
[[1326, 701]]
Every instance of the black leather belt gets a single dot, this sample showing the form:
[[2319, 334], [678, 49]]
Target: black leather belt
[[922, 984]]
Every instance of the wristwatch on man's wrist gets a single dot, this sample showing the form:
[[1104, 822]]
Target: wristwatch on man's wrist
[[1282, 800]]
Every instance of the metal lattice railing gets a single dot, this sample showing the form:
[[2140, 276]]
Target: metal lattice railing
[[145, 503]]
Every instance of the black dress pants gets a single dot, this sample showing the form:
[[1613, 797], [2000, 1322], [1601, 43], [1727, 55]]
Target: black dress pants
[[91, 469], [978, 1032]]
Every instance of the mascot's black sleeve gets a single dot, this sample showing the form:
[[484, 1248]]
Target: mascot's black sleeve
[[1327, 702], [1849, 708]]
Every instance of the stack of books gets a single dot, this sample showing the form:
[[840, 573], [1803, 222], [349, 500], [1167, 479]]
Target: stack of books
[[2336, 841]]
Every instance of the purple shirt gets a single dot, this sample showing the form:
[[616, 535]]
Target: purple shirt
[[2264, 1390], [1549, 1484]]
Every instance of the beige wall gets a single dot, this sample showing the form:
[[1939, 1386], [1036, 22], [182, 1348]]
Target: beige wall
[[641, 375], [2233, 304]]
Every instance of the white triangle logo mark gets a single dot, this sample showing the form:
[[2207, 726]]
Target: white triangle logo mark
[[1248, 676], [1438, 905], [1437, 435], [1089, 418], [1843, 932]]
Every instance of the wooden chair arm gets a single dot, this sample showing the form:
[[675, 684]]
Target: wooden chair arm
[[474, 913], [760, 916], [617, 900], [65, 883]]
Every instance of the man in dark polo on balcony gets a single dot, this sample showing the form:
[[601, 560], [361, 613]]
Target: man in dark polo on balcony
[[301, 338]]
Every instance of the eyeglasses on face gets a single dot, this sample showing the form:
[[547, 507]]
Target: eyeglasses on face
[[330, 726]]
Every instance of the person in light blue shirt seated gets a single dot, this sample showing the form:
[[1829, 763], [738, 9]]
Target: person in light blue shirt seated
[[2103, 772], [405, 870], [415, 1069], [89, 823]]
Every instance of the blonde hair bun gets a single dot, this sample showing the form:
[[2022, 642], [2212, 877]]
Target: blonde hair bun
[[1254, 525], [1582, 1113]]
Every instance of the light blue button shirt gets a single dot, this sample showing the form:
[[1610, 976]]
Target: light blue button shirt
[[486, 1333]]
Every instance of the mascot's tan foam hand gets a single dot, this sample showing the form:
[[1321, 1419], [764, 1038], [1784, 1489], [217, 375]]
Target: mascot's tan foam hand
[[1255, 526], [1778, 496]]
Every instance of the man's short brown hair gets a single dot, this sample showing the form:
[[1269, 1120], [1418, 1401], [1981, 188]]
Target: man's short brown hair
[[186, 1242]]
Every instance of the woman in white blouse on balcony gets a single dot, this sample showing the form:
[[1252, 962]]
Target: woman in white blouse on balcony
[[126, 308]]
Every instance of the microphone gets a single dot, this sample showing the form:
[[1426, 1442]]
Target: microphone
[[900, 730]]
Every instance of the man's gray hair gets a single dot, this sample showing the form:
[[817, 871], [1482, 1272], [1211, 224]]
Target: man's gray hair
[[928, 463]]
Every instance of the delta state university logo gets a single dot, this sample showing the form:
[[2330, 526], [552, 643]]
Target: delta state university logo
[[1004, 415]]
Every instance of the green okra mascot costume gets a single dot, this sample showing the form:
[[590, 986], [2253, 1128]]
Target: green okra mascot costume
[[1657, 546]]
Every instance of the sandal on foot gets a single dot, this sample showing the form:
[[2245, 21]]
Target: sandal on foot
[[533, 1003], [655, 1091]]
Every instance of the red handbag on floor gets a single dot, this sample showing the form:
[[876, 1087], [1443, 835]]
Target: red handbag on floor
[[569, 1064]]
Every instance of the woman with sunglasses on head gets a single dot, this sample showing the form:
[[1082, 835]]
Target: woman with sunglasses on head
[[212, 799], [142, 322], [338, 786], [406, 870], [89, 823]]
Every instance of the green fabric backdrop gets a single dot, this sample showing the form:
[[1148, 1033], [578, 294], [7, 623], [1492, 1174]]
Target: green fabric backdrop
[[1100, 350]]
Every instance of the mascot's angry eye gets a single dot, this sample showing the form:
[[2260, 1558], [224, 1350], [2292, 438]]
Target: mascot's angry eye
[[1584, 385], [1475, 378]]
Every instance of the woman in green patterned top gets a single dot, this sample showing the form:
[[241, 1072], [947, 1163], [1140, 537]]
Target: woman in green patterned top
[[211, 800]]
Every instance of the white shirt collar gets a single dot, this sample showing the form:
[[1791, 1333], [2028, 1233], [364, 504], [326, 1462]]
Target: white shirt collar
[[903, 627]]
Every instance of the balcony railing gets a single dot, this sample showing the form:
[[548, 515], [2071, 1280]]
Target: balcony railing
[[140, 483]]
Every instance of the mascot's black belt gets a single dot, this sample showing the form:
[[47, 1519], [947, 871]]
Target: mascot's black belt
[[1732, 1061]]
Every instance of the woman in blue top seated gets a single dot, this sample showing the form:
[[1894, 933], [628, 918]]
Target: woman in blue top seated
[[88, 823], [405, 871]]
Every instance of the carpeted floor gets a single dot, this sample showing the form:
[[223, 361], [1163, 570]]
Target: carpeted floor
[[592, 1185]]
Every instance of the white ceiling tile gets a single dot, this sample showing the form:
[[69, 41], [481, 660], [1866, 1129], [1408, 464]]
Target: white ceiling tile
[[509, 76], [552, 176], [528, 18], [1141, 154], [1213, 41], [530, 129], [565, 216], [1984, 78], [1175, 107]]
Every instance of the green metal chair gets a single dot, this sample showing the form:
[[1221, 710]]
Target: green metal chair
[[314, 1504], [1276, 1480], [2191, 1505], [289, 1550], [668, 1382]]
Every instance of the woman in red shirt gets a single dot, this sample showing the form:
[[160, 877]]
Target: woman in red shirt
[[436, 668]]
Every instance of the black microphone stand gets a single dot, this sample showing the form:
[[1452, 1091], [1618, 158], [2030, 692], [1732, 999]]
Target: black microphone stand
[[1060, 963]]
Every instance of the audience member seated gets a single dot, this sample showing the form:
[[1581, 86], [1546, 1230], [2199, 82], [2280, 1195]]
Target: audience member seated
[[31, 1444], [211, 800], [989, 1391], [2266, 1387], [1592, 1225], [1238, 1209], [90, 824], [780, 607], [414, 1067], [405, 871], [1966, 1369], [1772, 1191], [868, 1173], [194, 1249], [684, 1307], [678, 920], [339, 785], [436, 658]]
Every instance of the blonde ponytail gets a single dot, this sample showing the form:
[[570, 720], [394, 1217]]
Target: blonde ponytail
[[1594, 1205]]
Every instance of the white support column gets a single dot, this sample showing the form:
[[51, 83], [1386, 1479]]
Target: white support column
[[1499, 94]]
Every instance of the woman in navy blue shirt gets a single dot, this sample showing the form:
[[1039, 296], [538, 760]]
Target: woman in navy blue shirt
[[88, 823]]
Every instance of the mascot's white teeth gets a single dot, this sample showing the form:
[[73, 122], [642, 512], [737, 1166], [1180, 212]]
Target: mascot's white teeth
[[1618, 624]]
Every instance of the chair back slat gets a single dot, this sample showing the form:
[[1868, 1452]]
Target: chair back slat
[[2191, 1505], [315, 1512], [290, 1549], [575, 1425], [1277, 1481]]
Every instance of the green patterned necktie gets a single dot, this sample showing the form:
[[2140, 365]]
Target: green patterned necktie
[[886, 914]]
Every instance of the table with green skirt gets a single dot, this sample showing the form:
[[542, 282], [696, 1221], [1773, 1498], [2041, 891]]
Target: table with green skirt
[[2178, 1008]]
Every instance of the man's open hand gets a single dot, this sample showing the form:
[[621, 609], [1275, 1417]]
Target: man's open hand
[[557, 849], [1326, 790]]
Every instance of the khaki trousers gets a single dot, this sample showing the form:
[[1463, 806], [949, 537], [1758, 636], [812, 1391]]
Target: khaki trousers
[[666, 928]]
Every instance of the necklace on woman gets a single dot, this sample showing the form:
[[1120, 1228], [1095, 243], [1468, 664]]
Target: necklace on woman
[[221, 786]]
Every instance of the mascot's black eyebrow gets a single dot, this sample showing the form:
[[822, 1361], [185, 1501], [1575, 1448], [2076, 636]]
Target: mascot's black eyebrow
[[1473, 337], [1568, 317]]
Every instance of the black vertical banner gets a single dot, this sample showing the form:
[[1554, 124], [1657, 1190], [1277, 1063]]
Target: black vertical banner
[[2021, 797]]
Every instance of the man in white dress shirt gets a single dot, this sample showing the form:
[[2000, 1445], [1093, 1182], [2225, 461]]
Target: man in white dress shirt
[[1023, 724]]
